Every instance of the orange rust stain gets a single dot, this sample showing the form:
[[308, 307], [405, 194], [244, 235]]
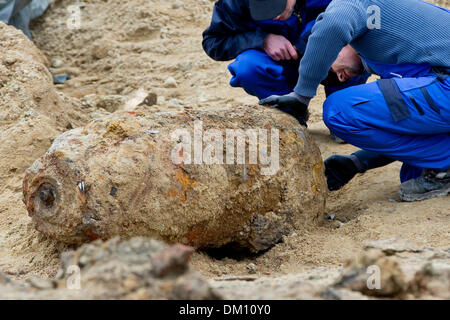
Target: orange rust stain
[[116, 128], [317, 170], [318, 176], [185, 182], [59, 154], [193, 236], [181, 153], [75, 141], [294, 138], [83, 198], [172, 193], [166, 286], [91, 235], [182, 114]]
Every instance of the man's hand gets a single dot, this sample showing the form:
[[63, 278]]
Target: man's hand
[[293, 104], [279, 48]]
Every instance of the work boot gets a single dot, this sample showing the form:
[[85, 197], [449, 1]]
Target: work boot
[[430, 184]]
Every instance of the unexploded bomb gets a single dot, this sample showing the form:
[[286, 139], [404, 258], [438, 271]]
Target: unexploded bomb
[[243, 175]]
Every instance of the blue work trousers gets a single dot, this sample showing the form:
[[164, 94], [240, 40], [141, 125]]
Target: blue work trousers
[[418, 135]]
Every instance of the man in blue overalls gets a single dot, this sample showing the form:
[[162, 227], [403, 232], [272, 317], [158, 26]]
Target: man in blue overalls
[[405, 115], [267, 39]]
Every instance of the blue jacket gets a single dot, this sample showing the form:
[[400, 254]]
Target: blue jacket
[[233, 31]]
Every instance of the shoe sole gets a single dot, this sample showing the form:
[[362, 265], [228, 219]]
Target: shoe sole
[[424, 196]]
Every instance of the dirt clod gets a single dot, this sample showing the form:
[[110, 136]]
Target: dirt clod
[[135, 269]]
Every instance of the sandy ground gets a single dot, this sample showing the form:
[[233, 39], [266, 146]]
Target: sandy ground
[[122, 47]]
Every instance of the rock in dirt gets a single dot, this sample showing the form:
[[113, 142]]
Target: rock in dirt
[[150, 100], [148, 174], [139, 268], [430, 283], [170, 83], [110, 103], [374, 274], [393, 246], [57, 63]]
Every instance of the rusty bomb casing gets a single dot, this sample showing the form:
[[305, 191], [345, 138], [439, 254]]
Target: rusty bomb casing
[[164, 175]]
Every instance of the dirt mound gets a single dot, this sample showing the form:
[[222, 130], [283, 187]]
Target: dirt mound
[[135, 269], [421, 273], [31, 111], [429, 283], [356, 275], [32, 114]]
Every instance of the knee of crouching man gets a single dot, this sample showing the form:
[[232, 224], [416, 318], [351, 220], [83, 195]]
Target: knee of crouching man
[[330, 110]]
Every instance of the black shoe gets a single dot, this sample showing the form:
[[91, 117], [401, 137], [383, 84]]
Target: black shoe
[[430, 184]]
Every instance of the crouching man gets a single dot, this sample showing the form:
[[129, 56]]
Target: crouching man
[[266, 39], [404, 116]]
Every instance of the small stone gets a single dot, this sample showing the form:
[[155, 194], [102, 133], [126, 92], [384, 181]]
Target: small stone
[[57, 63], [172, 261], [170, 83], [150, 100], [251, 268], [60, 78], [393, 245], [10, 60], [43, 284], [100, 52], [360, 271], [176, 102], [177, 4], [113, 191], [185, 67]]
